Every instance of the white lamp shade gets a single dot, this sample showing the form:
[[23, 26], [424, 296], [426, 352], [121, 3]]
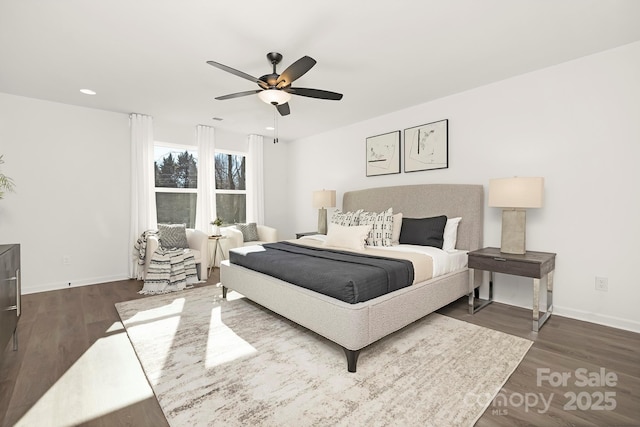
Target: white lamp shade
[[516, 192], [324, 199], [274, 96]]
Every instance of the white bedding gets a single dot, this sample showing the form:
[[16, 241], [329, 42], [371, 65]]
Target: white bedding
[[443, 261]]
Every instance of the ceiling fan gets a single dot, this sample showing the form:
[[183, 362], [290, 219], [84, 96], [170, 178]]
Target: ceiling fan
[[276, 89]]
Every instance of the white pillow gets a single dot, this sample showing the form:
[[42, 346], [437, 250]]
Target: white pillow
[[450, 234], [341, 236], [397, 227]]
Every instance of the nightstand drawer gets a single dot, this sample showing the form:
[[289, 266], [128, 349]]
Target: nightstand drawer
[[506, 266], [531, 264]]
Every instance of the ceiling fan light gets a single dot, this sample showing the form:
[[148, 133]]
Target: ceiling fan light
[[274, 96]]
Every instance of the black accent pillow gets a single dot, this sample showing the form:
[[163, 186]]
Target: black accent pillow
[[423, 231]]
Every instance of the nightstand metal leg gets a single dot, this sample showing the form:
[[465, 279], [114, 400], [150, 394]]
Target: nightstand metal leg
[[536, 305], [471, 290], [550, 292], [537, 320], [475, 302]]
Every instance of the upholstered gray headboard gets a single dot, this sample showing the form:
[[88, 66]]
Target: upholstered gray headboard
[[427, 200]]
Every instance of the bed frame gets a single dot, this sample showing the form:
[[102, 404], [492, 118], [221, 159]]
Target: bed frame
[[355, 326]]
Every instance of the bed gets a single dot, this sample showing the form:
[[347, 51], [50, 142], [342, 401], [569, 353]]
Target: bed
[[355, 326]]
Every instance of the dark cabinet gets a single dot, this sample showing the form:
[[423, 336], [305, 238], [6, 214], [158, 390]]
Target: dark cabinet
[[9, 294]]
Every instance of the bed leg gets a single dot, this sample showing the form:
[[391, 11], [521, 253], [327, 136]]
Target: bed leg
[[352, 359], [224, 292]]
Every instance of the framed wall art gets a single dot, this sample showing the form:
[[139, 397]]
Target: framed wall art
[[383, 154], [426, 147]]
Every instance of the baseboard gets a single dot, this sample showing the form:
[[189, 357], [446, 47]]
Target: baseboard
[[65, 285], [601, 319], [572, 313]]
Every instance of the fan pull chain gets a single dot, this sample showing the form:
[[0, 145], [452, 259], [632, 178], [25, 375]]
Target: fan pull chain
[[275, 126]]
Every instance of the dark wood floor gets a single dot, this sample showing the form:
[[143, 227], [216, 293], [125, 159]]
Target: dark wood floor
[[57, 328], [566, 347]]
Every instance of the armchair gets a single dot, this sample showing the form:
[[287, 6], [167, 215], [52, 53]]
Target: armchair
[[198, 246]]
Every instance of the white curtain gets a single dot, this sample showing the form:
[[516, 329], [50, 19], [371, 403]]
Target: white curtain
[[206, 204], [143, 201], [255, 184]]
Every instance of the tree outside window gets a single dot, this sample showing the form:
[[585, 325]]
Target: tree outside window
[[231, 190], [176, 178]]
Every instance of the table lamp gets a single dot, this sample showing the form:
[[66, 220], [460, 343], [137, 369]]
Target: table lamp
[[323, 199], [514, 195]]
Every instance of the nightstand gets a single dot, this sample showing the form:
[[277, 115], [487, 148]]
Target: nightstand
[[536, 265]]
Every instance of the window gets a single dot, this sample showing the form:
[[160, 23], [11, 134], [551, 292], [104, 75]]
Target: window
[[231, 190], [176, 184], [176, 178]]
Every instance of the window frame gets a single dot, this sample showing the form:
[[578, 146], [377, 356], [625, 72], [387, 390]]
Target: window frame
[[177, 147], [193, 149], [247, 172], [233, 153]]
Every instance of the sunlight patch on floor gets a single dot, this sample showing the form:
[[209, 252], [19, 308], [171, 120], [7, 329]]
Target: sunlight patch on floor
[[233, 295], [106, 378], [166, 321], [152, 314], [224, 345]]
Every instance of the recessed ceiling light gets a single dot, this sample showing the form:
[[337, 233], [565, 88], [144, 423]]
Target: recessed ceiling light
[[87, 91], [270, 128], [217, 119]]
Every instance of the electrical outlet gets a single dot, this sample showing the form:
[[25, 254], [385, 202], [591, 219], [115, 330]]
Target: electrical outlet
[[602, 284], [66, 260]]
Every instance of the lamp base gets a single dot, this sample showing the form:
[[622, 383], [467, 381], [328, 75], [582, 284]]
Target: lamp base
[[513, 231], [322, 221]]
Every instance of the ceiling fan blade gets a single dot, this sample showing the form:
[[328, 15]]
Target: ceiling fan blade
[[315, 93], [295, 70], [283, 109], [238, 94], [235, 72]]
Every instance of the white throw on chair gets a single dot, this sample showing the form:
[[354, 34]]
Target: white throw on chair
[[198, 245], [235, 238]]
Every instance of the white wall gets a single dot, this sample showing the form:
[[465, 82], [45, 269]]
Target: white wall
[[180, 133], [71, 168], [576, 124], [276, 183]]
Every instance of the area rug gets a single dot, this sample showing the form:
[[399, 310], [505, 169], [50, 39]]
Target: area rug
[[215, 362]]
